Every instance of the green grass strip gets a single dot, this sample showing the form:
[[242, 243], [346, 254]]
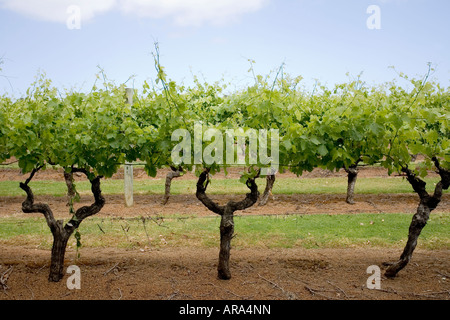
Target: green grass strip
[[225, 186], [284, 231]]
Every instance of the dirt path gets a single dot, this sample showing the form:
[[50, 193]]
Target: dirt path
[[185, 273], [150, 205]]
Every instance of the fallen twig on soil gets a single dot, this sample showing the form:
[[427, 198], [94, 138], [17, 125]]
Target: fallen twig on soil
[[443, 274], [4, 278], [172, 295], [114, 267], [427, 294], [431, 294], [289, 295], [317, 292], [341, 290]]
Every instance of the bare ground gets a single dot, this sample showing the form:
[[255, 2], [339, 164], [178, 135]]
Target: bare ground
[[185, 273], [257, 274], [150, 205]]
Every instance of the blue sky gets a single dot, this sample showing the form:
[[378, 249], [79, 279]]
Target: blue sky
[[321, 39]]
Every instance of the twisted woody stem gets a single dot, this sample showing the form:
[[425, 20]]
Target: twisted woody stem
[[226, 223], [61, 233], [427, 204]]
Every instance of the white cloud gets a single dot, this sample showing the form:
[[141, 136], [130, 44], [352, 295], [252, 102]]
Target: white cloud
[[180, 12], [57, 10]]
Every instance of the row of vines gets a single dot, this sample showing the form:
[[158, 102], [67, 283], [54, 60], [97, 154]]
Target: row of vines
[[351, 124]]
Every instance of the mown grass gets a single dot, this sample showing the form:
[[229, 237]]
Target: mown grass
[[333, 185], [284, 231]]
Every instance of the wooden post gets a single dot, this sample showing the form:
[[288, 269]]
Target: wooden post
[[128, 169]]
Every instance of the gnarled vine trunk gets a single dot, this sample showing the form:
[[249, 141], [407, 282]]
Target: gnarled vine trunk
[[226, 234], [68, 178], [427, 204], [270, 180], [60, 239], [226, 223], [175, 173], [352, 175], [61, 233]]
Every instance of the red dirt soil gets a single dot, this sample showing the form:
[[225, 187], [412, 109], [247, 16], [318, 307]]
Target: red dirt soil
[[186, 273]]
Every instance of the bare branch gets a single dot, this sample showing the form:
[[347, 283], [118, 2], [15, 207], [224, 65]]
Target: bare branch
[[201, 194], [87, 211], [28, 206], [417, 183], [32, 174]]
